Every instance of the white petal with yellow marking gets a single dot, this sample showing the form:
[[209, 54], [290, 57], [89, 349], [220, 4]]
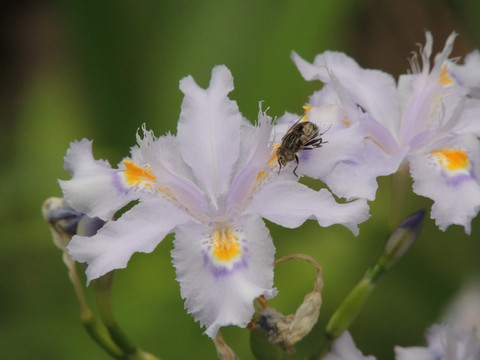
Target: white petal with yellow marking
[[448, 174], [93, 188], [221, 274]]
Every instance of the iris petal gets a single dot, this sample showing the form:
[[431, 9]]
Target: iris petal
[[219, 294]]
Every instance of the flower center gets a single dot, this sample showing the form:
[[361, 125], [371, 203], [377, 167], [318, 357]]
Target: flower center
[[451, 159], [445, 79], [226, 246], [137, 176]]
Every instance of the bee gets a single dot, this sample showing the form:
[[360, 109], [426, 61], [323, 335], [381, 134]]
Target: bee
[[303, 135]]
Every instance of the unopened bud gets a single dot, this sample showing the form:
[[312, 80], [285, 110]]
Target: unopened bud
[[66, 222], [402, 239], [397, 245], [60, 215]]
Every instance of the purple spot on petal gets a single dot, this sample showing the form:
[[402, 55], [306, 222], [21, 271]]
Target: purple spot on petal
[[457, 180], [304, 155], [222, 271], [118, 183]]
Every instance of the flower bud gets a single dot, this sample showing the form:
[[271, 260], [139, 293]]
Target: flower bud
[[397, 245], [402, 238]]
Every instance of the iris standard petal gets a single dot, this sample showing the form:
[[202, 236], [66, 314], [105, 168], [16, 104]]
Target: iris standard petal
[[208, 131], [221, 269], [255, 166], [468, 74], [138, 230], [373, 90], [173, 177]]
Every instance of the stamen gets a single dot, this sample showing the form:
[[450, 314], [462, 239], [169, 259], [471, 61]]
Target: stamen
[[376, 143], [136, 176], [306, 108], [452, 159], [226, 246], [274, 153], [414, 63], [445, 79]]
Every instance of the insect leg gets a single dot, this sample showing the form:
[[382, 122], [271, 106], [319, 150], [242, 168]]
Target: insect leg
[[296, 159], [316, 142]]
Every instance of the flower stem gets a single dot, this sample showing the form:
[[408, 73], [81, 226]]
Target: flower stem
[[65, 222], [96, 331], [400, 185], [349, 309], [396, 246], [102, 287]]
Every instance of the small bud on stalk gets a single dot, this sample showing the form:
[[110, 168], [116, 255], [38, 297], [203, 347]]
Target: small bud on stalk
[[397, 245]]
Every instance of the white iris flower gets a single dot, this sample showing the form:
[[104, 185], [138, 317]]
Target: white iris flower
[[344, 348], [444, 343], [210, 185], [429, 120]]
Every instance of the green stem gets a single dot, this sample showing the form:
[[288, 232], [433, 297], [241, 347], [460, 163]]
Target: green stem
[[349, 309], [102, 287], [395, 247], [97, 332], [100, 335], [400, 185]]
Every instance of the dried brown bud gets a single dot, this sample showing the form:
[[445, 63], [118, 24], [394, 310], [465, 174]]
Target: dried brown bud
[[286, 331]]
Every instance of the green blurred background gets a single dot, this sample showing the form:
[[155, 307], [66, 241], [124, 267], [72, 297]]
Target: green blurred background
[[76, 69]]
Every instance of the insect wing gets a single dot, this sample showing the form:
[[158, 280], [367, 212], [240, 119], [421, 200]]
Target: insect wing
[[323, 127]]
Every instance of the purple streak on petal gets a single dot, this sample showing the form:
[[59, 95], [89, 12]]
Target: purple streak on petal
[[304, 155], [117, 183], [459, 179], [222, 271]]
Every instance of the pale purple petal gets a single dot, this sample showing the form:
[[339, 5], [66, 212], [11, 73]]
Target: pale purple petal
[[290, 204], [445, 343], [374, 90], [173, 177], [342, 144], [138, 230], [208, 131], [456, 193], [413, 353], [469, 119], [219, 294], [468, 74], [259, 155], [358, 178], [429, 98], [442, 57], [95, 188], [344, 348], [463, 311], [164, 150]]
